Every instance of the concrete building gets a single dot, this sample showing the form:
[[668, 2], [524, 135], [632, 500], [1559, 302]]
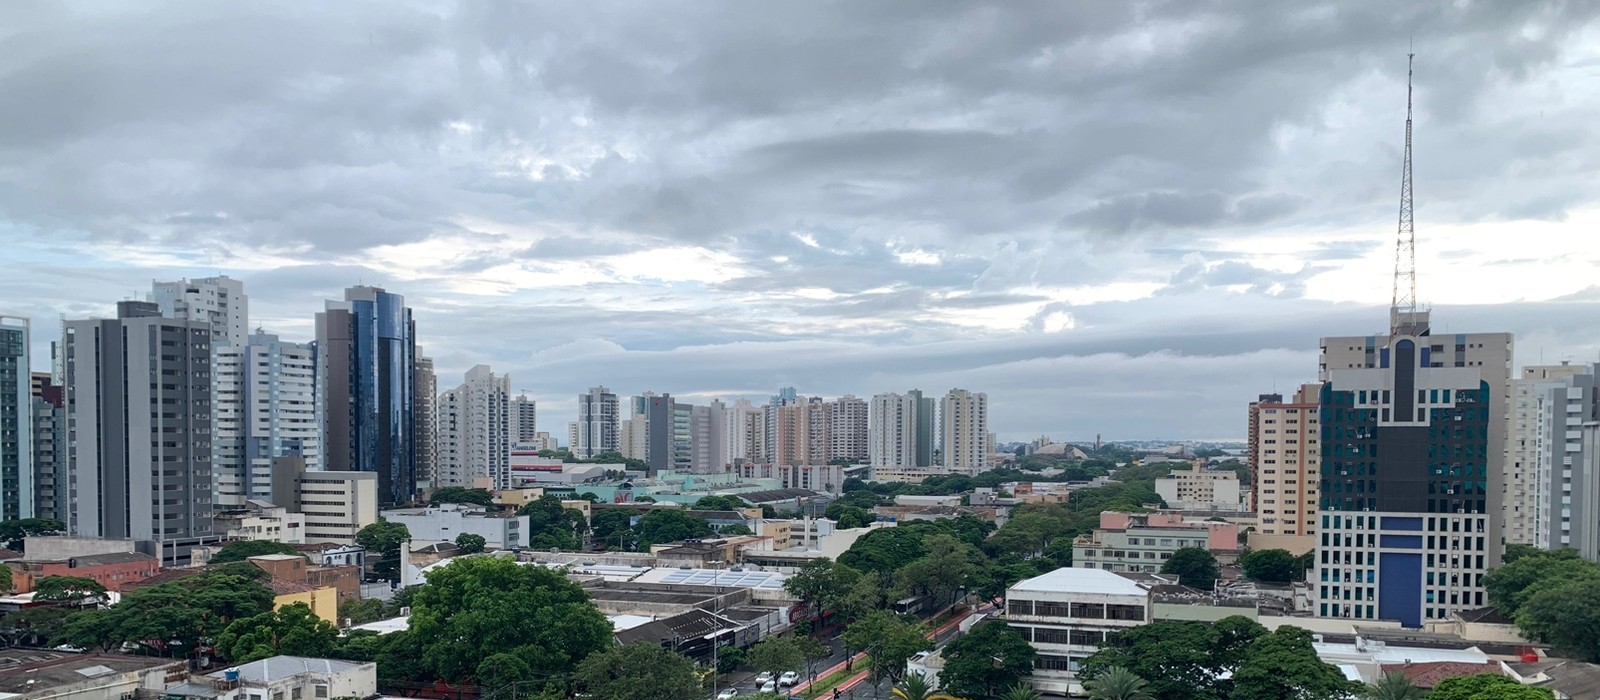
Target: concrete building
[[264, 393], [285, 678], [1414, 444], [444, 523], [659, 414], [51, 487], [261, 520], [474, 433], [826, 478], [892, 432], [926, 424], [598, 418], [140, 457], [1067, 614], [336, 504], [849, 429], [112, 569], [572, 436], [524, 420], [366, 376], [219, 302], [746, 432], [17, 496], [1142, 542], [37, 674], [1544, 472], [964, 423], [1198, 488], [1285, 458], [425, 420]]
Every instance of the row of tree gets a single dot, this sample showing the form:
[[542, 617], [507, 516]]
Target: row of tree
[[1552, 595]]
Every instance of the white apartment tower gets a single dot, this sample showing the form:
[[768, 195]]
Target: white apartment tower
[[892, 431], [597, 422], [475, 431], [1547, 455], [264, 395], [745, 436], [633, 434], [524, 420], [850, 429], [966, 441], [219, 302]]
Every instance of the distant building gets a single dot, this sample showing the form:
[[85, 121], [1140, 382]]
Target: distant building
[[261, 520], [524, 420], [366, 378], [51, 487], [283, 678], [598, 419], [964, 423], [445, 523], [219, 302], [1285, 459], [1143, 542], [851, 425], [1067, 614], [1548, 484], [425, 420], [1198, 488], [112, 570], [265, 399], [336, 504], [17, 472], [474, 431]]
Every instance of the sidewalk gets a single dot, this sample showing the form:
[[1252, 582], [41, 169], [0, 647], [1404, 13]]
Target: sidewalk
[[855, 680]]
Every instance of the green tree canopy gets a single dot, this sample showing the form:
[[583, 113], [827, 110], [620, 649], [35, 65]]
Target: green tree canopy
[[551, 526], [720, 503], [640, 671], [12, 532], [985, 661], [464, 609], [1117, 683], [1195, 567], [1565, 614], [776, 654], [292, 630], [1393, 686], [948, 565], [470, 543], [383, 539], [663, 525], [241, 550], [502, 670], [174, 617], [1283, 664], [459, 494], [889, 640], [5, 579], [885, 550], [822, 584], [613, 528], [1272, 565], [69, 589], [1510, 585], [1486, 686], [362, 611], [1180, 660]]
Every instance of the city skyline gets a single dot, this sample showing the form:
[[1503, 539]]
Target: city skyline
[[1010, 199]]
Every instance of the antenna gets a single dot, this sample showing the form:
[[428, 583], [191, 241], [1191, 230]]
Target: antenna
[[1403, 308]]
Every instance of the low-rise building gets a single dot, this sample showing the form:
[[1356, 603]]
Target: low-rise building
[[1066, 615], [113, 570], [1198, 488], [446, 522], [260, 520], [36, 674], [334, 554], [1144, 541], [283, 678], [336, 504]]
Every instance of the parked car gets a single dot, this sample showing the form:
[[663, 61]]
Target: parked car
[[763, 677], [788, 678], [769, 687], [728, 694]]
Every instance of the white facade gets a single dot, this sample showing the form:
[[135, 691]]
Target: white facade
[[260, 520], [1066, 615], [1196, 488], [290, 677], [474, 431], [851, 426], [264, 394], [218, 301], [597, 422], [336, 504], [892, 432], [745, 432], [445, 523], [964, 421], [1549, 405]]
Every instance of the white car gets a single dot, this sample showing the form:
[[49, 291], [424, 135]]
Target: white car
[[788, 678], [728, 694], [763, 677], [769, 687]]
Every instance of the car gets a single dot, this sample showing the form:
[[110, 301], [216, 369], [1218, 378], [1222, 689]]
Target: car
[[728, 694], [788, 678], [763, 677], [769, 687]]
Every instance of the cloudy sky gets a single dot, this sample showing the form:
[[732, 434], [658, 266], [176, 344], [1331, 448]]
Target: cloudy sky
[[1115, 218]]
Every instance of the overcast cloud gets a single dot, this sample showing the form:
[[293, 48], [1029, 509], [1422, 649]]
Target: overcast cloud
[[1116, 218]]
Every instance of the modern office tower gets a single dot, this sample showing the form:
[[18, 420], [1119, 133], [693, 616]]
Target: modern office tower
[[746, 433], [264, 395], [366, 378], [16, 420], [1413, 446], [659, 417], [892, 432], [524, 420], [336, 504], [597, 422], [966, 441], [475, 431], [220, 302], [50, 483], [1285, 457], [848, 432], [138, 407], [926, 424], [425, 420], [1546, 476], [682, 437]]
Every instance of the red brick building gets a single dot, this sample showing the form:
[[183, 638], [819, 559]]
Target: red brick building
[[114, 571]]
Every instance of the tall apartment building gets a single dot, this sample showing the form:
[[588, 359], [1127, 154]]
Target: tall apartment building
[[336, 504], [633, 434], [1285, 458], [597, 422], [967, 442], [17, 496], [716, 431], [366, 379], [264, 395], [51, 487], [659, 415], [892, 431], [682, 437], [1546, 471], [1413, 448], [799, 431], [524, 420], [927, 428], [849, 429], [425, 420], [219, 302], [474, 433], [138, 410], [746, 433]]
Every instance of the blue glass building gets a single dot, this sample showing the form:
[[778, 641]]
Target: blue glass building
[[366, 358]]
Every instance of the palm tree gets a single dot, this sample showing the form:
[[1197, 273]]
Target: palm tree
[[915, 687], [1117, 683], [1020, 691], [1393, 686]]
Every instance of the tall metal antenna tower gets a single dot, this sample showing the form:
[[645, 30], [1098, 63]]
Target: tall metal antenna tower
[[1403, 308]]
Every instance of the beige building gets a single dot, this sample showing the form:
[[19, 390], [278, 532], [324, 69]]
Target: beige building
[[1196, 488], [964, 423], [1285, 457], [1537, 447], [336, 505]]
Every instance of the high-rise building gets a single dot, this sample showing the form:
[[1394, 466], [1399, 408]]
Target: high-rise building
[[682, 437], [659, 417], [16, 420], [219, 302], [633, 434], [715, 437], [425, 420], [264, 395], [139, 459], [50, 483], [1285, 457], [849, 429], [892, 432], [966, 442], [597, 422], [1413, 445], [925, 422], [524, 420], [1543, 504], [366, 378], [746, 433], [475, 431]]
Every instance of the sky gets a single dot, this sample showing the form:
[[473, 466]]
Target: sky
[[1123, 219]]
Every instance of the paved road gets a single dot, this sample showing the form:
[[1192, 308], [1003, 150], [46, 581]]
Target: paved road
[[860, 687]]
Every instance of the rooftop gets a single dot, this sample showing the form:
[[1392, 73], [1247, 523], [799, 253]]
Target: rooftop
[[47, 669], [1428, 674], [278, 667], [776, 495], [1575, 679], [112, 558], [1071, 580]]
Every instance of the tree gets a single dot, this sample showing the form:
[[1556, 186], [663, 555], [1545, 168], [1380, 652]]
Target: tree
[[1180, 660], [885, 550], [991, 582], [464, 607], [469, 543], [1509, 586], [1117, 683], [502, 670], [916, 687], [735, 530], [292, 630], [12, 532], [1393, 686], [1565, 614], [1272, 565], [776, 654], [719, 503], [613, 527], [551, 526], [812, 651], [1283, 664], [70, 589], [1195, 567], [244, 549], [1020, 691], [660, 526], [822, 584], [639, 671], [948, 566], [889, 640], [360, 612], [177, 617], [460, 494], [730, 659], [5, 579], [1486, 686], [384, 539], [983, 662]]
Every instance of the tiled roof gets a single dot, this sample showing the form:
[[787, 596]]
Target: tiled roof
[[1429, 674]]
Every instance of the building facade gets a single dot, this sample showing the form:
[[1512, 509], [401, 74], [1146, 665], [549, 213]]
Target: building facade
[[597, 422], [892, 432], [1198, 488], [474, 433], [524, 420], [264, 393], [1549, 405], [964, 422], [218, 302], [849, 429], [1140, 542], [425, 420], [1067, 614], [1285, 458], [336, 504], [51, 487], [366, 374], [17, 495]]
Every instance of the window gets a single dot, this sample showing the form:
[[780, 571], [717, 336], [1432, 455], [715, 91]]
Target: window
[[1124, 612], [1020, 607], [1089, 611], [1052, 663], [294, 694], [322, 691]]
